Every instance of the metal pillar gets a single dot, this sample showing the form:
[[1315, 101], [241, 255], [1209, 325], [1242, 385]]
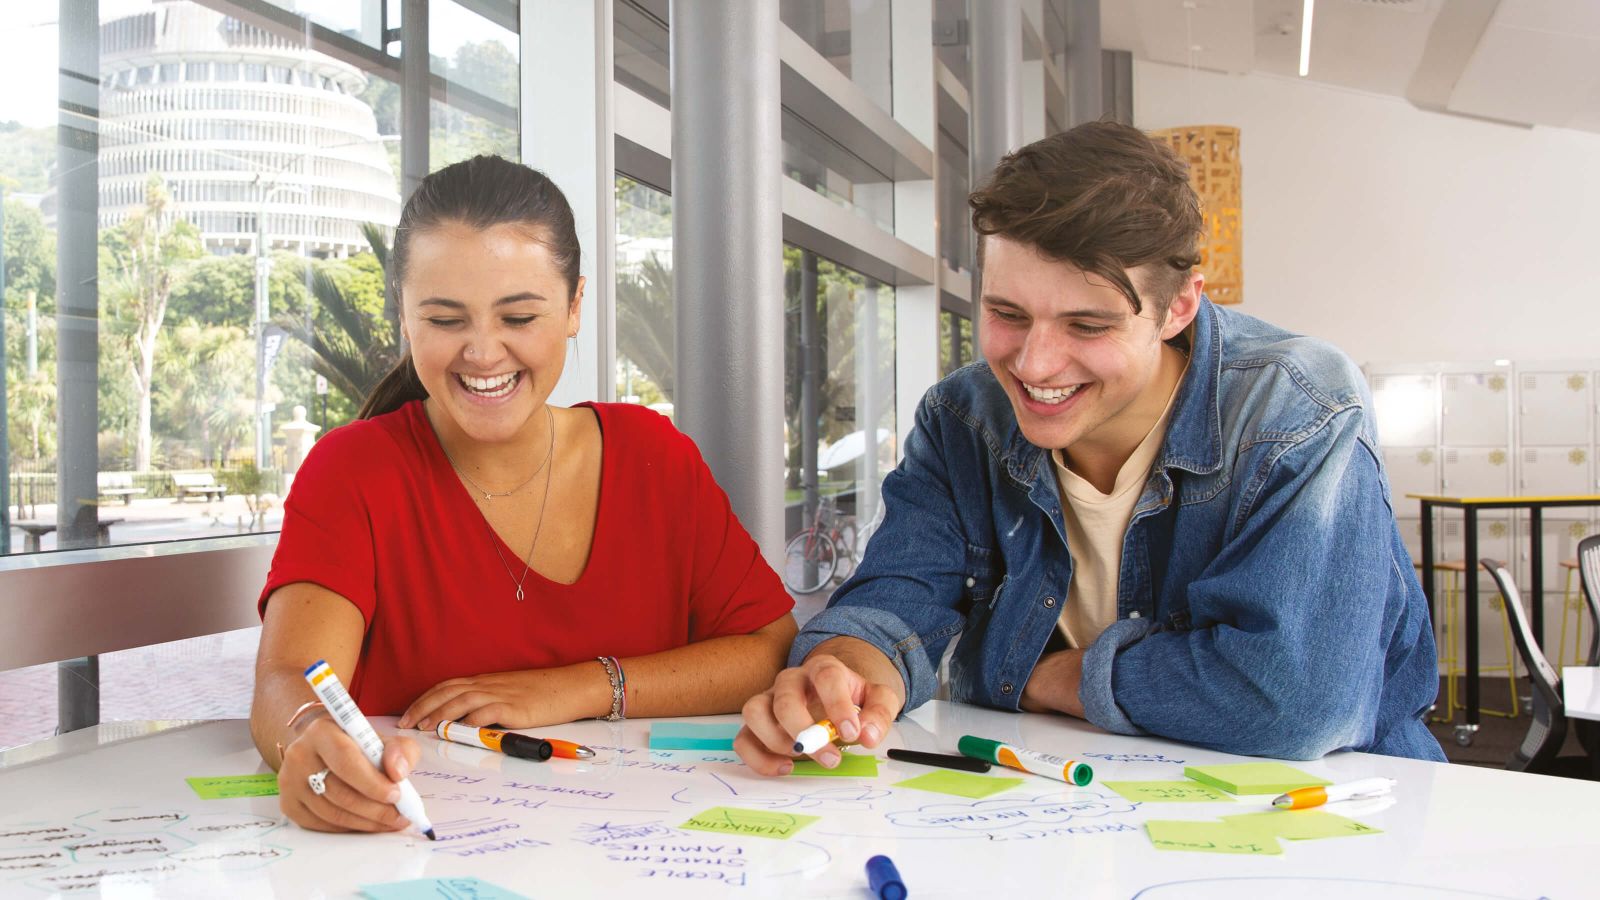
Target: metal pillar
[[78, 321], [869, 401], [1116, 85], [996, 100], [415, 81], [811, 366], [728, 251], [1085, 67], [5, 448]]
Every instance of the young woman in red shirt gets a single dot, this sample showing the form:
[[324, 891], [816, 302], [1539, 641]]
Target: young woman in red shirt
[[467, 551]]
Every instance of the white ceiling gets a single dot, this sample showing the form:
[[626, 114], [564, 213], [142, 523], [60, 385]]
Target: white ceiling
[[1527, 62]]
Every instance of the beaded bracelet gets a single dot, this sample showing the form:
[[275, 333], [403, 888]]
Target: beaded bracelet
[[619, 694]]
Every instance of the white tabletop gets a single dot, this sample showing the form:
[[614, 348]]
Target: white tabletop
[[608, 827], [1580, 692]]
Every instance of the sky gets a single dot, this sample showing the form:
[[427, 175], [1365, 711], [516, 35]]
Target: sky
[[29, 41]]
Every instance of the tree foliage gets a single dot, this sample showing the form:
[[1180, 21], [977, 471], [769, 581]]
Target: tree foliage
[[141, 259]]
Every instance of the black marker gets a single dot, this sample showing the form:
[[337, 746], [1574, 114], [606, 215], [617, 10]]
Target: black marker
[[944, 760], [508, 742]]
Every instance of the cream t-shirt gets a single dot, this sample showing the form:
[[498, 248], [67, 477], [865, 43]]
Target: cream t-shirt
[[1096, 525]]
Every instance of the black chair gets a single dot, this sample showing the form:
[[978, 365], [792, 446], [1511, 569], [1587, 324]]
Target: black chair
[[1541, 747], [1589, 578]]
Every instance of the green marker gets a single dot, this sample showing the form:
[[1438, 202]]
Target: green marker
[[1048, 765]]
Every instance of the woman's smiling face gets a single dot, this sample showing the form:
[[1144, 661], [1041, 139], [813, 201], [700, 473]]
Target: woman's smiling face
[[487, 313]]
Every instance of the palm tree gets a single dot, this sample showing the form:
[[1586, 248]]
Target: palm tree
[[356, 345], [205, 370], [645, 331]]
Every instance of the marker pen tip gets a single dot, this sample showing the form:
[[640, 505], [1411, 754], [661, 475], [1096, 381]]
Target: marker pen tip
[[431, 835]]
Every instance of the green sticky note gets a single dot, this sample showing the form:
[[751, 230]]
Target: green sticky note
[[851, 765], [1209, 837], [751, 822], [225, 787], [1168, 791], [961, 784], [1254, 778], [1299, 825], [692, 736]]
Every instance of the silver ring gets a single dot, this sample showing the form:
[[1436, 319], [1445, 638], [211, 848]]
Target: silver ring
[[318, 782]]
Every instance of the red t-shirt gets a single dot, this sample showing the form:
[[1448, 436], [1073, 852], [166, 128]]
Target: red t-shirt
[[377, 515]]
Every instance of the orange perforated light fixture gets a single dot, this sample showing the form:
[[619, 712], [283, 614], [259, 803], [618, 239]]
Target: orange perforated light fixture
[[1212, 152]]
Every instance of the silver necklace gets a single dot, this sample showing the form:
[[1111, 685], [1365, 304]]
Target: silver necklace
[[527, 564], [490, 495]]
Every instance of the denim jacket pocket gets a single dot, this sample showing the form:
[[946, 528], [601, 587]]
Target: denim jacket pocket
[[980, 580]]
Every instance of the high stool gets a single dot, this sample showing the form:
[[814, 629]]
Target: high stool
[[1571, 607], [1454, 570]]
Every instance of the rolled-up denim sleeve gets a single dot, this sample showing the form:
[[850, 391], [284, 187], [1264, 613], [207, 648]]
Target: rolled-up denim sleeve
[[905, 598], [1286, 656]]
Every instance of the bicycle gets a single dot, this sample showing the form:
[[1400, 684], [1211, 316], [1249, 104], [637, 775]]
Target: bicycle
[[811, 558]]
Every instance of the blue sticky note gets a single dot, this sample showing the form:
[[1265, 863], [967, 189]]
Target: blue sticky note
[[439, 889], [692, 736]]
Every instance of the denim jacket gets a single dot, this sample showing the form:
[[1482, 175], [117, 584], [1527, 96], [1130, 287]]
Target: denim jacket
[[1265, 606]]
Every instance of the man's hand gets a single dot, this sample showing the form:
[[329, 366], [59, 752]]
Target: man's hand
[[1053, 686], [844, 680]]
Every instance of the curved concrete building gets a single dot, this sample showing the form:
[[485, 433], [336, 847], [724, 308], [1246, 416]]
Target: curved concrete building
[[242, 124]]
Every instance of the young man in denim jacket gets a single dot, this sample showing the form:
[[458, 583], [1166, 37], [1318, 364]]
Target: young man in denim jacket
[[1158, 515]]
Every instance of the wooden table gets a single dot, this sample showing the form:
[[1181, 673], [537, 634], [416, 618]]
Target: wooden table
[[1470, 507]]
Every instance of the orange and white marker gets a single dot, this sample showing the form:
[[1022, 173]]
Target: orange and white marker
[[1306, 797]]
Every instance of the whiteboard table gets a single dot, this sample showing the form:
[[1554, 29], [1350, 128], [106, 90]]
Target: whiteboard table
[[1580, 692], [117, 817]]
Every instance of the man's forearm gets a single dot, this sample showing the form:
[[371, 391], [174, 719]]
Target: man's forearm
[[1053, 686]]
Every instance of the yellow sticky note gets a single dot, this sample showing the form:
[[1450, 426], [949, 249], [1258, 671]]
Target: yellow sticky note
[[1299, 825], [1254, 778], [1168, 791], [851, 765], [751, 822], [1209, 837], [961, 784]]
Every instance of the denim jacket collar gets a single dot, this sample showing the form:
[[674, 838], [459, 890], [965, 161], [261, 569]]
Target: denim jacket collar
[[1194, 434]]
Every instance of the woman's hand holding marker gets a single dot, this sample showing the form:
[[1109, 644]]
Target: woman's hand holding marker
[[355, 796]]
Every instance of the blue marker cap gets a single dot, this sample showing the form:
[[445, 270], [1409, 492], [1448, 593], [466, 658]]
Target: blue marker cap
[[884, 879]]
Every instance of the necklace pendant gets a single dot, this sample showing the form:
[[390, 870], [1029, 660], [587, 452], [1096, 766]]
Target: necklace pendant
[[519, 593], [487, 496]]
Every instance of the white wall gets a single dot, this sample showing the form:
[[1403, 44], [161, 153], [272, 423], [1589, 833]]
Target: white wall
[[1399, 234]]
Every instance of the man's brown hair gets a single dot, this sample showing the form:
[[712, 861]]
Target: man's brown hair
[[1103, 197]]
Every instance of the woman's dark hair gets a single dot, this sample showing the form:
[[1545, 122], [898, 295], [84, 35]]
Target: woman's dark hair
[[482, 192], [1103, 197]]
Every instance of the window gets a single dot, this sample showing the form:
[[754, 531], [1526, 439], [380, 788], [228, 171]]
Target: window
[[646, 333], [142, 434], [839, 391]]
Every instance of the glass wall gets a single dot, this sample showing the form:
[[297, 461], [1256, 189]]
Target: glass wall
[[646, 329], [955, 342], [839, 410], [227, 214], [853, 35]]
